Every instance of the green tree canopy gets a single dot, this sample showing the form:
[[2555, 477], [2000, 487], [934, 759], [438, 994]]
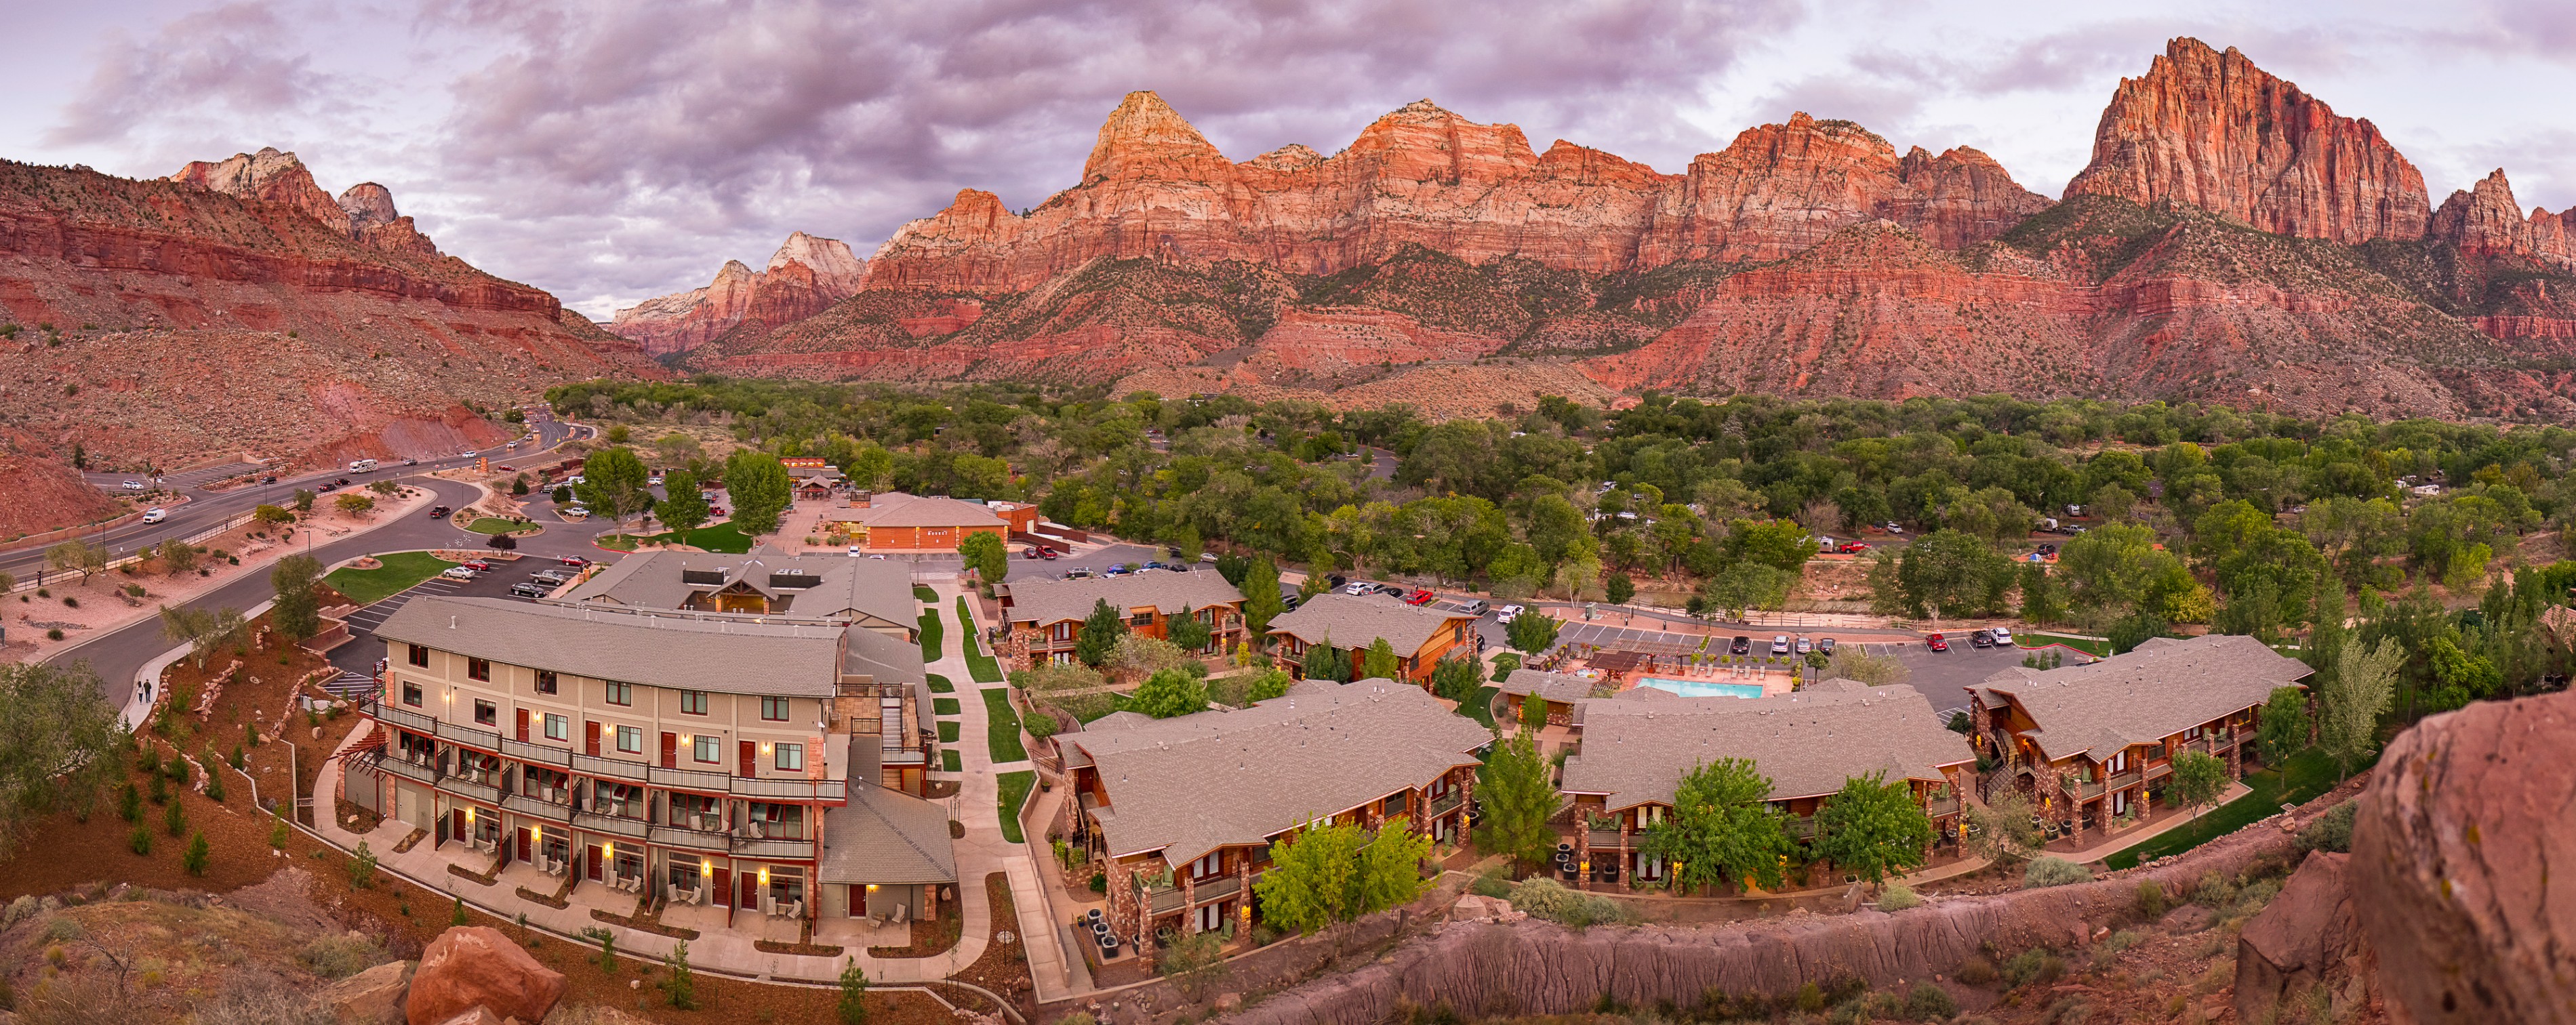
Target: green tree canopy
[[1270, 684], [1951, 574], [1261, 600], [1532, 631], [1455, 677], [682, 508], [1325, 662], [295, 612], [61, 746], [2198, 778], [1517, 789], [1101, 632], [1722, 828], [1169, 693], [2348, 710], [613, 484], [1325, 873], [760, 489], [1873, 828], [2283, 729], [1187, 632], [1380, 663], [988, 557]]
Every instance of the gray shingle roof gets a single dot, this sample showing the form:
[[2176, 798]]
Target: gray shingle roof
[[655, 651], [2161, 689], [878, 588], [1192, 784], [889, 660], [1355, 620], [1054, 601], [1562, 688], [1808, 742], [886, 837], [895, 509]]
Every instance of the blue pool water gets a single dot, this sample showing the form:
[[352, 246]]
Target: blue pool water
[[1703, 689]]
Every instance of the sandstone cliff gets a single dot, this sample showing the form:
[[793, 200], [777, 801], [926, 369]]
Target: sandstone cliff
[[806, 276]]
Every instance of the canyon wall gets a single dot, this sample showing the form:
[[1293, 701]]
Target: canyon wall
[[805, 277]]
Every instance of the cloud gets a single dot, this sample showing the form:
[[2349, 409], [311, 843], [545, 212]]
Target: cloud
[[223, 58]]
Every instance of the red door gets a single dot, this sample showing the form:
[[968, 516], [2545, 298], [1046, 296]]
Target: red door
[[750, 759], [590, 738], [723, 888], [670, 750], [750, 892], [457, 830], [594, 863], [524, 845], [523, 726]]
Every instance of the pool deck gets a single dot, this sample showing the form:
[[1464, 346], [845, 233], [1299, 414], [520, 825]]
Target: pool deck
[[1771, 684]]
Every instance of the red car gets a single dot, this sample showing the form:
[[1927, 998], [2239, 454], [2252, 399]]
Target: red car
[[1033, 552], [1422, 596], [1853, 547], [1935, 643], [573, 560], [477, 565]]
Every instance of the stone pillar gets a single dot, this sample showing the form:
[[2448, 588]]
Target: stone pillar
[[1627, 876], [1582, 850], [1189, 903], [2235, 752]]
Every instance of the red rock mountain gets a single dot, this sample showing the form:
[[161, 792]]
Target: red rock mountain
[[804, 277], [236, 309]]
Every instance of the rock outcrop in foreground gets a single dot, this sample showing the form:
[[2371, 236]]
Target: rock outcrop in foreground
[[470, 967]]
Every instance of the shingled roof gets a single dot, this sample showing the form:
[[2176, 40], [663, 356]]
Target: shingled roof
[[1808, 742], [896, 509], [1054, 601], [631, 647], [886, 837], [880, 589], [1562, 688], [2164, 687], [1352, 621], [1191, 784]]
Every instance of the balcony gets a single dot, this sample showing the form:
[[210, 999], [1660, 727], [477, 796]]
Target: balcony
[[2125, 780], [1944, 806], [1802, 827], [1442, 804], [2159, 770], [536, 808], [1604, 839], [408, 769], [694, 839], [535, 754], [608, 768], [790, 850], [1217, 888], [403, 717], [613, 825], [2088, 789], [790, 789], [488, 740], [686, 779], [466, 787], [1164, 901]]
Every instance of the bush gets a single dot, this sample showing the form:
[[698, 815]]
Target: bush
[[174, 818], [1899, 898], [2331, 831], [140, 840], [129, 803], [1930, 1003], [2052, 871], [194, 859], [1977, 971], [1545, 898], [2034, 966], [341, 956], [2151, 900]]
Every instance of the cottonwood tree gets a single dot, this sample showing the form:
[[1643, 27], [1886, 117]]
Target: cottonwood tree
[[760, 489], [2283, 728], [295, 612], [61, 746], [1170, 693], [2362, 688], [2198, 778], [1722, 828], [1873, 828], [1518, 794], [682, 508], [984, 554], [2003, 830], [614, 484], [1324, 874]]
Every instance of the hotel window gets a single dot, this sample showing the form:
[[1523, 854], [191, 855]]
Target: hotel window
[[707, 748], [546, 681], [1144, 618], [1396, 804], [1207, 866], [411, 694], [487, 713], [1064, 631], [791, 758], [479, 669], [630, 740], [773, 709], [693, 702], [621, 693], [558, 727], [418, 655]]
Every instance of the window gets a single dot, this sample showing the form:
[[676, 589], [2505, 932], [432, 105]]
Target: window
[[487, 713], [1064, 631], [791, 758], [693, 702], [546, 681], [418, 655], [411, 694], [479, 669], [558, 727], [630, 740], [1145, 618], [1397, 804], [1207, 866], [621, 693], [773, 709], [707, 748]]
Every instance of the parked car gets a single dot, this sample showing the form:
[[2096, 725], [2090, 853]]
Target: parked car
[[530, 589], [1151, 564], [269, 479], [467, 454], [1853, 547], [1508, 614], [1077, 573], [1980, 639], [854, 551], [411, 462], [1290, 602], [327, 487], [1741, 645], [1420, 596], [1478, 607], [437, 511], [457, 573], [132, 485], [1892, 527], [1805, 646], [1363, 587], [1780, 644], [1390, 589], [1337, 580], [553, 576], [654, 480], [477, 565], [1208, 558], [155, 514], [2003, 636], [1936, 643], [505, 468], [572, 560], [1825, 645]]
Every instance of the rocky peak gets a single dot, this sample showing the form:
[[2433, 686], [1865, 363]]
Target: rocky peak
[[1420, 141], [2484, 219], [268, 176], [806, 275], [835, 267], [2211, 129], [1145, 138], [1290, 157], [368, 205]]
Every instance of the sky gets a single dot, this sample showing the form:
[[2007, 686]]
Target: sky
[[613, 150]]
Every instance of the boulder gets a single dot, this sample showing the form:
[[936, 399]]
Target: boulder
[[2451, 857], [477, 966], [479, 1016], [371, 997], [2305, 938]]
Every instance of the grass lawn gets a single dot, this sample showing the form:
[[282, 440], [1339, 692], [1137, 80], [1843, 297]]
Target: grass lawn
[[401, 570], [723, 537], [951, 761], [2097, 649], [497, 525], [948, 731], [616, 542], [1015, 789], [2308, 774], [940, 685], [945, 706], [1002, 726], [1479, 706], [930, 635], [920, 593], [978, 664]]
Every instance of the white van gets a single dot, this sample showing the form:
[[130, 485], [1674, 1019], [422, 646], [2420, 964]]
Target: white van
[[361, 465]]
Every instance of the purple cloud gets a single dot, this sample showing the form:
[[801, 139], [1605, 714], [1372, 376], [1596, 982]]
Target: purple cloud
[[222, 58]]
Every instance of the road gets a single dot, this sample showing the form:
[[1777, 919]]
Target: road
[[206, 509]]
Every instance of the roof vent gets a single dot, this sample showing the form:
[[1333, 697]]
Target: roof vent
[[451, 622]]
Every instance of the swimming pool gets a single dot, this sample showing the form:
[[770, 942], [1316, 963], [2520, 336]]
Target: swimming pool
[[1703, 688]]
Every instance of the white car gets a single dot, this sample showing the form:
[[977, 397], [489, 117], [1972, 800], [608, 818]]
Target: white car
[[155, 514], [458, 573], [2003, 637], [1507, 613], [655, 480], [855, 552], [1780, 644], [467, 454], [132, 485], [1359, 588], [1805, 646]]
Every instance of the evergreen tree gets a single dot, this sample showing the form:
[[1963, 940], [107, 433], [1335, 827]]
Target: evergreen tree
[[1187, 632], [1517, 791], [1324, 662], [1261, 601], [1101, 631], [1380, 664]]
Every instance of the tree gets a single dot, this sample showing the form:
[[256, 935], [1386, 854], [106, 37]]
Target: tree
[[1325, 873], [985, 555], [1455, 677], [1519, 796], [1187, 631], [1533, 714], [77, 556], [1748, 585], [614, 483], [274, 516], [1194, 962], [1873, 828], [1722, 828], [2134, 629], [1325, 662], [760, 489], [1169, 693], [1261, 601], [205, 631], [2004, 830], [1619, 589], [1851, 663], [1380, 663], [1950, 574], [1532, 632], [2198, 778], [2349, 709], [2042, 600], [562, 494], [295, 613], [193, 860], [61, 746], [178, 556], [2283, 728], [1272, 683], [681, 987], [1101, 631], [853, 1005], [303, 500], [354, 503], [682, 508]]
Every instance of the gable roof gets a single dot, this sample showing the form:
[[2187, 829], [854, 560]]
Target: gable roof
[[1562, 688], [1352, 621], [774, 659], [1191, 784], [1808, 742], [888, 837], [1054, 601], [896, 509], [875, 588], [2161, 689]]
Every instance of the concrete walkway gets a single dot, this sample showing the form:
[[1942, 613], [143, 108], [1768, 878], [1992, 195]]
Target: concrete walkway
[[2124, 841]]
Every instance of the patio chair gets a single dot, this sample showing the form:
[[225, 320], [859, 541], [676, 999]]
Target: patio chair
[[902, 914]]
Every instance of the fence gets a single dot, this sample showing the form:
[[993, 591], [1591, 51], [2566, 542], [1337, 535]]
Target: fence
[[42, 578]]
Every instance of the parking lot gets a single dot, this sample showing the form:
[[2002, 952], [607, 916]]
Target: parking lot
[[362, 651]]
